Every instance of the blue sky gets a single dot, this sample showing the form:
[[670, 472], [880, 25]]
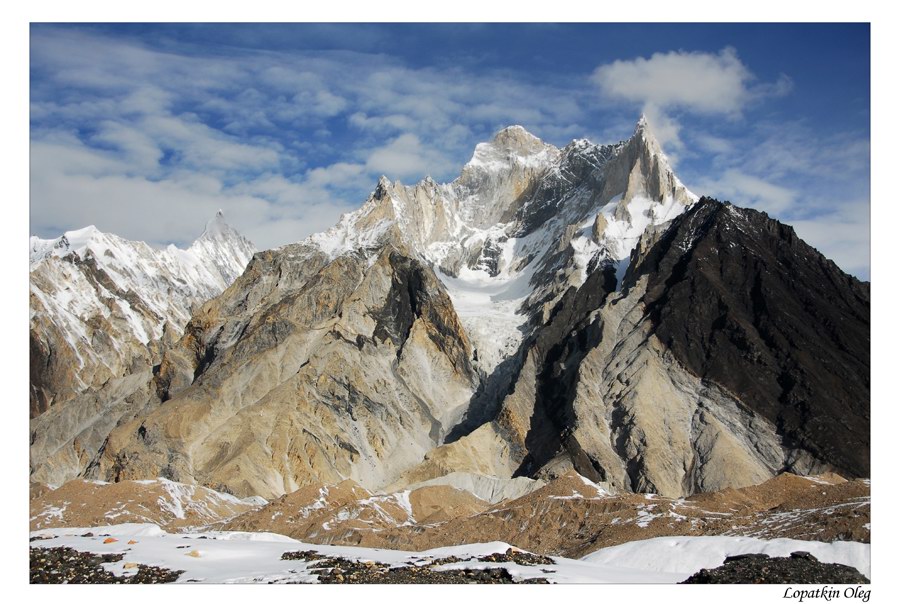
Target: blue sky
[[147, 130]]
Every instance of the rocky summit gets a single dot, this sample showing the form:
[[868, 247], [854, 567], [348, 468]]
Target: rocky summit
[[556, 324]]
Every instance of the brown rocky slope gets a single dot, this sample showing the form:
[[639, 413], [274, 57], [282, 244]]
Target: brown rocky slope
[[569, 516]]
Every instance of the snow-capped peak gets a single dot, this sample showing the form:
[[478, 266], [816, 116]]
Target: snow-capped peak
[[70, 240], [515, 136], [516, 204], [218, 229], [513, 146], [644, 132], [168, 281]]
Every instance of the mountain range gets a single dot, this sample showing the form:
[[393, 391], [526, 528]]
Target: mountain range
[[549, 313]]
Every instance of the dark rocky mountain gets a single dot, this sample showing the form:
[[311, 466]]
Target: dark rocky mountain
[[756, 339], [741, 301]]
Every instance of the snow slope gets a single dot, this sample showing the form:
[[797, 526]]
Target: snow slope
[[686, 555]]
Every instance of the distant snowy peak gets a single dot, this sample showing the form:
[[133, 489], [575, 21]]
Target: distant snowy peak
[[217, 227], [76, 241], [220, 248], [219, 230], [511, 147], [98, 301], [223, 248]]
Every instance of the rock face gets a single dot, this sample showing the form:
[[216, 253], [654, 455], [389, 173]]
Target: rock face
[[742, 302], [306, 369], [550, 310], [100, 303], [715, 365]]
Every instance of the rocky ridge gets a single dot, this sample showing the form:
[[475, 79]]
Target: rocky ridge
[[161, 502]]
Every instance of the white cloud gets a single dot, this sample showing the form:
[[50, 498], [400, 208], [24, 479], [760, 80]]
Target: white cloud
[[384, 123], [136, 208], [406, 157], [712, 144], [63, 154], [136, 147], [341, 174], [697, 81]]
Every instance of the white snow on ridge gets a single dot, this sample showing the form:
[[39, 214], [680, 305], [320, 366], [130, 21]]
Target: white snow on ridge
[[181, 497], [240, 557], [622, 234], [168, 281]]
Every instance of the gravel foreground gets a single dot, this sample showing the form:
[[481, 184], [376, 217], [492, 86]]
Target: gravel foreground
[[67, 565], [798, 568]]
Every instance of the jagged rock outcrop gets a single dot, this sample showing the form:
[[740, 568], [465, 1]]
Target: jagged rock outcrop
[[99, 303], [798, 568]]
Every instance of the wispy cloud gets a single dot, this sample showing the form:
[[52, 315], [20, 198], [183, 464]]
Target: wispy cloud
[[406, 156], [148, 138], [752, 191], [263, 129], [817, 182], [842, 233]]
